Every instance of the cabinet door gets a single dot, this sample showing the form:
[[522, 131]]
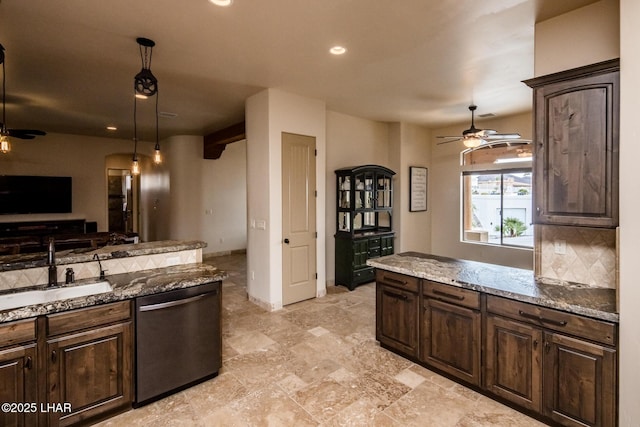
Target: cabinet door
[[576, 153], [397, 319], [513, 362], [18, 384], [90, 370], [450, 339], [579, 382], [360, 253], [386, 245]]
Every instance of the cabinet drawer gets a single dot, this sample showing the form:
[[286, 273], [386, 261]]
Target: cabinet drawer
[[398, 280], [374, 242], [374, 252], [452, 294], [17, 332], [90, 317], [580, 326], [364, 275]]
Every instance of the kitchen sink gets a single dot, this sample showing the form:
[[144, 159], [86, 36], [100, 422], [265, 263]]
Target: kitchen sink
[[21, 299]]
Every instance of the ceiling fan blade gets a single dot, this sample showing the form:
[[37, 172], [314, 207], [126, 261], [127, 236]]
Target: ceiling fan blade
[[451, 137], [446, 142], [503, 136], [25, 133]]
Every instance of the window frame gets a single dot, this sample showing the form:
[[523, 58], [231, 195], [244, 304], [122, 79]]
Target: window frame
[[492, 169]]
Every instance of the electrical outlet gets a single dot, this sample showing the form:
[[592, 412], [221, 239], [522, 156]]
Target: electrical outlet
[[560, 247], [253, 275]]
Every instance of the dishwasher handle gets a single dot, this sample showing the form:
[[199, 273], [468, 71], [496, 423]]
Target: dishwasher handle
[[163, 305]]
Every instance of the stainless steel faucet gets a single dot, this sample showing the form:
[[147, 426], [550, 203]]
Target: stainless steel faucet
[[51, 262]]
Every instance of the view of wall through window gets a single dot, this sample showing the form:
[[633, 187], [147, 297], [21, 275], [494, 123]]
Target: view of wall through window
[[497, 207]]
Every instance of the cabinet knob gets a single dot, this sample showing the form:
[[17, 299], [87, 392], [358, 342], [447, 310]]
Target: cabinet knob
[[28, 363], [53, 356], [535, 344]]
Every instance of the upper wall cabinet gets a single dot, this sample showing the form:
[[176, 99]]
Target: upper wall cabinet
[[576, 122]]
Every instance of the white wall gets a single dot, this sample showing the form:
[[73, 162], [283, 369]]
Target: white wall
[[268, 114], [351, 141], [409, 146], [581, 37], [629, 207], [208, 197], [224, 197], [445, 197]]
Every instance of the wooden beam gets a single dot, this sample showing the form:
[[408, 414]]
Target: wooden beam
[[216, 142]]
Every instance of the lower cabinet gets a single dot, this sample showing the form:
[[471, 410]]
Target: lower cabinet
[[352, 253], [18, 379], [89, 362], [450, 331], [397, 312], [558, 365], [513, 362], [579, 382]]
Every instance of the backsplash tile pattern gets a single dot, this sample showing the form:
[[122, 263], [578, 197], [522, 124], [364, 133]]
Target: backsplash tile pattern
[[590, 255], [85, 270]]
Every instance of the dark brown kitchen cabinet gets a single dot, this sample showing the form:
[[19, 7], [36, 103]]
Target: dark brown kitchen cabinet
[[397, 306], [560, 365], [450, 330], [513, 362], [89, 362], [18, 379], [579, 382], [576, 122]]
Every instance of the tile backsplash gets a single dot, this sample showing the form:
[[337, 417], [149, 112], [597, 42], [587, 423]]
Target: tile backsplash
[[576, 254], [85, 270]]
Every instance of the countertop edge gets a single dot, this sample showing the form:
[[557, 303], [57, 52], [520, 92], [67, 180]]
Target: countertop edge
[[513, 295]]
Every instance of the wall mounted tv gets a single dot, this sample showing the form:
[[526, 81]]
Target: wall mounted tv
[[34, 194]]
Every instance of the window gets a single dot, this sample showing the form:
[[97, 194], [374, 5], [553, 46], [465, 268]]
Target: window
[[497, 202]]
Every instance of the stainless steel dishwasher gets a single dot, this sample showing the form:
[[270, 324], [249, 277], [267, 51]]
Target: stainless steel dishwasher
[[178, 340]]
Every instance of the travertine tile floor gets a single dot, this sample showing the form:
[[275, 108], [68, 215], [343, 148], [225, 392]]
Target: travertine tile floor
[[315, 363]]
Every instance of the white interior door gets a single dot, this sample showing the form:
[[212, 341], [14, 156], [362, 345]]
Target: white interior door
[[298, 218]]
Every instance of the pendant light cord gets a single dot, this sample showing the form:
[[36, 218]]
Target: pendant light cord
[[135, 127], [4, 108]]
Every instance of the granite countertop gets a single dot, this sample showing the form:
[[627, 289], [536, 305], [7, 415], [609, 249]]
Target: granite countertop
[[125, 286], [71, 256], [514, 283]]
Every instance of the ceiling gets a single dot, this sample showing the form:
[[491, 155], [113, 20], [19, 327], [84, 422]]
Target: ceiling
[[70, 64]]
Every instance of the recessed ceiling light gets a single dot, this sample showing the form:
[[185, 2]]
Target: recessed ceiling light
[[338, 50], [222, 2], [112, 128]]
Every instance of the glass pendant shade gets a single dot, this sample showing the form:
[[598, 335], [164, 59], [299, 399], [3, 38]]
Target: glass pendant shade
[[5, 145]]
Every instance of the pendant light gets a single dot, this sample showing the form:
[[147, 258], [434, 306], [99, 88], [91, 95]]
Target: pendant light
[[145, 85], [5, 145]]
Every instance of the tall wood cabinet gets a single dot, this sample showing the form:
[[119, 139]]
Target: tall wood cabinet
[[576, 127], [364, 210]]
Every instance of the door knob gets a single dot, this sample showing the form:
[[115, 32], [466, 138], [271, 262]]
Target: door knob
[[286, 241]]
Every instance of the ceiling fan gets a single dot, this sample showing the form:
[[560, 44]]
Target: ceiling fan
[[474, 137], [15, 133]]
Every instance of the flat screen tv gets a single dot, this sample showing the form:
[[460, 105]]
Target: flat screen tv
[[34, 194]]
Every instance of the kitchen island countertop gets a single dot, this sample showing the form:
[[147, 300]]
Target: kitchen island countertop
[[513, 283], [125, 286]]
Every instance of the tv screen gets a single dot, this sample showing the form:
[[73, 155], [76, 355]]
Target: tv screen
[[35, 194]]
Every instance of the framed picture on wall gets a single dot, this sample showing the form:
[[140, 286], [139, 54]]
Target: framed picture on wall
[[417, 189]]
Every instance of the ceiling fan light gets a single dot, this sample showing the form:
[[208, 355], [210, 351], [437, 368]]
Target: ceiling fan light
[[472, 142], [5, 145]]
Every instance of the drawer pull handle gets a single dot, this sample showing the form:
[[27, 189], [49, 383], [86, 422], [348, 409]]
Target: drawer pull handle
[[397, 296], [448, 295], [392, 280], [542, 319]]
